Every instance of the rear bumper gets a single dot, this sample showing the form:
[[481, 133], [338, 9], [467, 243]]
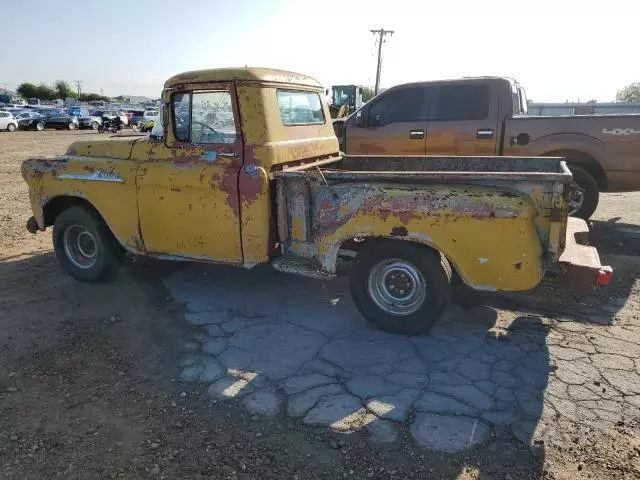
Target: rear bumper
[[580, 263]]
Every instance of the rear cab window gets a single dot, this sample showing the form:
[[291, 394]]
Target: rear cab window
[[300, 108]]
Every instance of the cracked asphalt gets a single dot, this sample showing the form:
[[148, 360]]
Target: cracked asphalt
[[294, 347]]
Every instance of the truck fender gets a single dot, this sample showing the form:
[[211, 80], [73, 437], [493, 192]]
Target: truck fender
[[50, 208]]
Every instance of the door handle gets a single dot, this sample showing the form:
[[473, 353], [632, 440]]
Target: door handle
[[484, 134], [225, 154], [416, 134]]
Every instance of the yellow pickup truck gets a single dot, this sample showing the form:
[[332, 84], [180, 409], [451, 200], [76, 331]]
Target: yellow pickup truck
[[244, 168]]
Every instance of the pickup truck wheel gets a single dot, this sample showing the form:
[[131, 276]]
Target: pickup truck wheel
[[585, 201], [400, 288], [83, 245]]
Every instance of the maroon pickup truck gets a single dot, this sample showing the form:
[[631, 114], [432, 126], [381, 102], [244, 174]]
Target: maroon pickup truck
[[487, 116]]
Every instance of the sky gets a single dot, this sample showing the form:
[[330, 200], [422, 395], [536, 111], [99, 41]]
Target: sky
[[558, 50]]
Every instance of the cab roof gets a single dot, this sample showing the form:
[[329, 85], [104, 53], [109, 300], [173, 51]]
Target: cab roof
[[257, 74]]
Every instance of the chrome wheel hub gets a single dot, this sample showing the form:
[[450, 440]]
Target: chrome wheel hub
[[80, 246], [397, 287]]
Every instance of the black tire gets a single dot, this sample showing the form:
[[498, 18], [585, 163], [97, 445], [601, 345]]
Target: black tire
[[590, 193], [99, 266], [11, 127], [434, 269], [39, 126], [94, 125], [100, 129]]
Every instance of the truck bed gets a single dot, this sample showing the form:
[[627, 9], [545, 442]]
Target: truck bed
[[434, 168]]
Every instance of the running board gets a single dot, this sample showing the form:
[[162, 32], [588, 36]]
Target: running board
[[301, 266]]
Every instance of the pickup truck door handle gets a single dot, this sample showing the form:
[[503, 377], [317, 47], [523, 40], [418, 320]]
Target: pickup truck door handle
[[416, 134], [484, 134]]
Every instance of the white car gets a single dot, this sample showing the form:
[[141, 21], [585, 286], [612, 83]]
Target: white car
[[8, 122], [149, 115]]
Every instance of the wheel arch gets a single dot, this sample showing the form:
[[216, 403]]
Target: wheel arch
[[56, 205], [357, 243], [583, 160]]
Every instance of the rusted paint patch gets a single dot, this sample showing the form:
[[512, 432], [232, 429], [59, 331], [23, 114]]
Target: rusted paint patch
[[399, 231]]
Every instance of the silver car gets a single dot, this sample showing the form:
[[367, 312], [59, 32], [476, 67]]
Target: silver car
[[8, 122]]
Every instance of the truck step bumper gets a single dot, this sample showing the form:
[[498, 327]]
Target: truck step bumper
[[301, 266], [580, 264]]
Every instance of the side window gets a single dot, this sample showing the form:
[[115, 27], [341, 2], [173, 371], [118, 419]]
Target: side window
[[404, 105], [204, 117], [462, 102]]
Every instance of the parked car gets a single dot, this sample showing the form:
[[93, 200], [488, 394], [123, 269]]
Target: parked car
[[26, 114], [487, 116], [89, 121], [111, 114], [8, 122], [55, 120], [77, 111]]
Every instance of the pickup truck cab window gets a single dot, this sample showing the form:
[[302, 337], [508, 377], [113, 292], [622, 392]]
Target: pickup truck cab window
[[404, 105], [300, 108], [204, 118], [462, 102]]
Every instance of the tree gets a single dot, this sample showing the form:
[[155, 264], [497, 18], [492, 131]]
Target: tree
[[92, 97], [630, 93], [27, 90], [64, 90], [367, 94], [45, 92]]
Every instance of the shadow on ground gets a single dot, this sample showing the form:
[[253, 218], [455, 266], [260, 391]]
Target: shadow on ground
[[297, 348]]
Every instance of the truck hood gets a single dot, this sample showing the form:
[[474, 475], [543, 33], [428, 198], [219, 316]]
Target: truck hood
[[118, 149]]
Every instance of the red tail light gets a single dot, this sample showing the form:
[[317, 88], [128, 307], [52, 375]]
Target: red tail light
[[604, 276]]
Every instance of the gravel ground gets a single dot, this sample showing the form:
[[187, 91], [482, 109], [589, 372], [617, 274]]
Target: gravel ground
[[97, 381]]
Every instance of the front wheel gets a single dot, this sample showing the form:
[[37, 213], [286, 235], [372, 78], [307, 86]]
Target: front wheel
[[83, 245], [39, 126], [400, 287], [586, 194], [72, 126], [94, 125], [11, 127]]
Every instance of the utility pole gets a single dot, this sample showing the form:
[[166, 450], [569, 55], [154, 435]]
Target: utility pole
[[381, 34], [78, 85]]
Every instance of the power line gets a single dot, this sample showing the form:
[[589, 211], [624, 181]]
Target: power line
[[381, 34]]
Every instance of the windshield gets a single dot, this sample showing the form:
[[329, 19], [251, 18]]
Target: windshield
[[343, 95]]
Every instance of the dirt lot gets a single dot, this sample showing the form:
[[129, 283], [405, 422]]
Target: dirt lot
[[89, 382]]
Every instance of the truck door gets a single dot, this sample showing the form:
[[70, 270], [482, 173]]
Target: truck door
[[188, 189], [394, 123], [463, 120]]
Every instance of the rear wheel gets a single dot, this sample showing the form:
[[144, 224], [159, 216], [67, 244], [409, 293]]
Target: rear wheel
[[11, 127], [83, 245], [72, 126], [400, 287], [584, 199], [94, 125]]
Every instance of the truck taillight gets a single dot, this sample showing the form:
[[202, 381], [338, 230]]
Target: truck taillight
[[604, 276]]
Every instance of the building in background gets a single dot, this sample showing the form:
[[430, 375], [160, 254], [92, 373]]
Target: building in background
[[559, 109]]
